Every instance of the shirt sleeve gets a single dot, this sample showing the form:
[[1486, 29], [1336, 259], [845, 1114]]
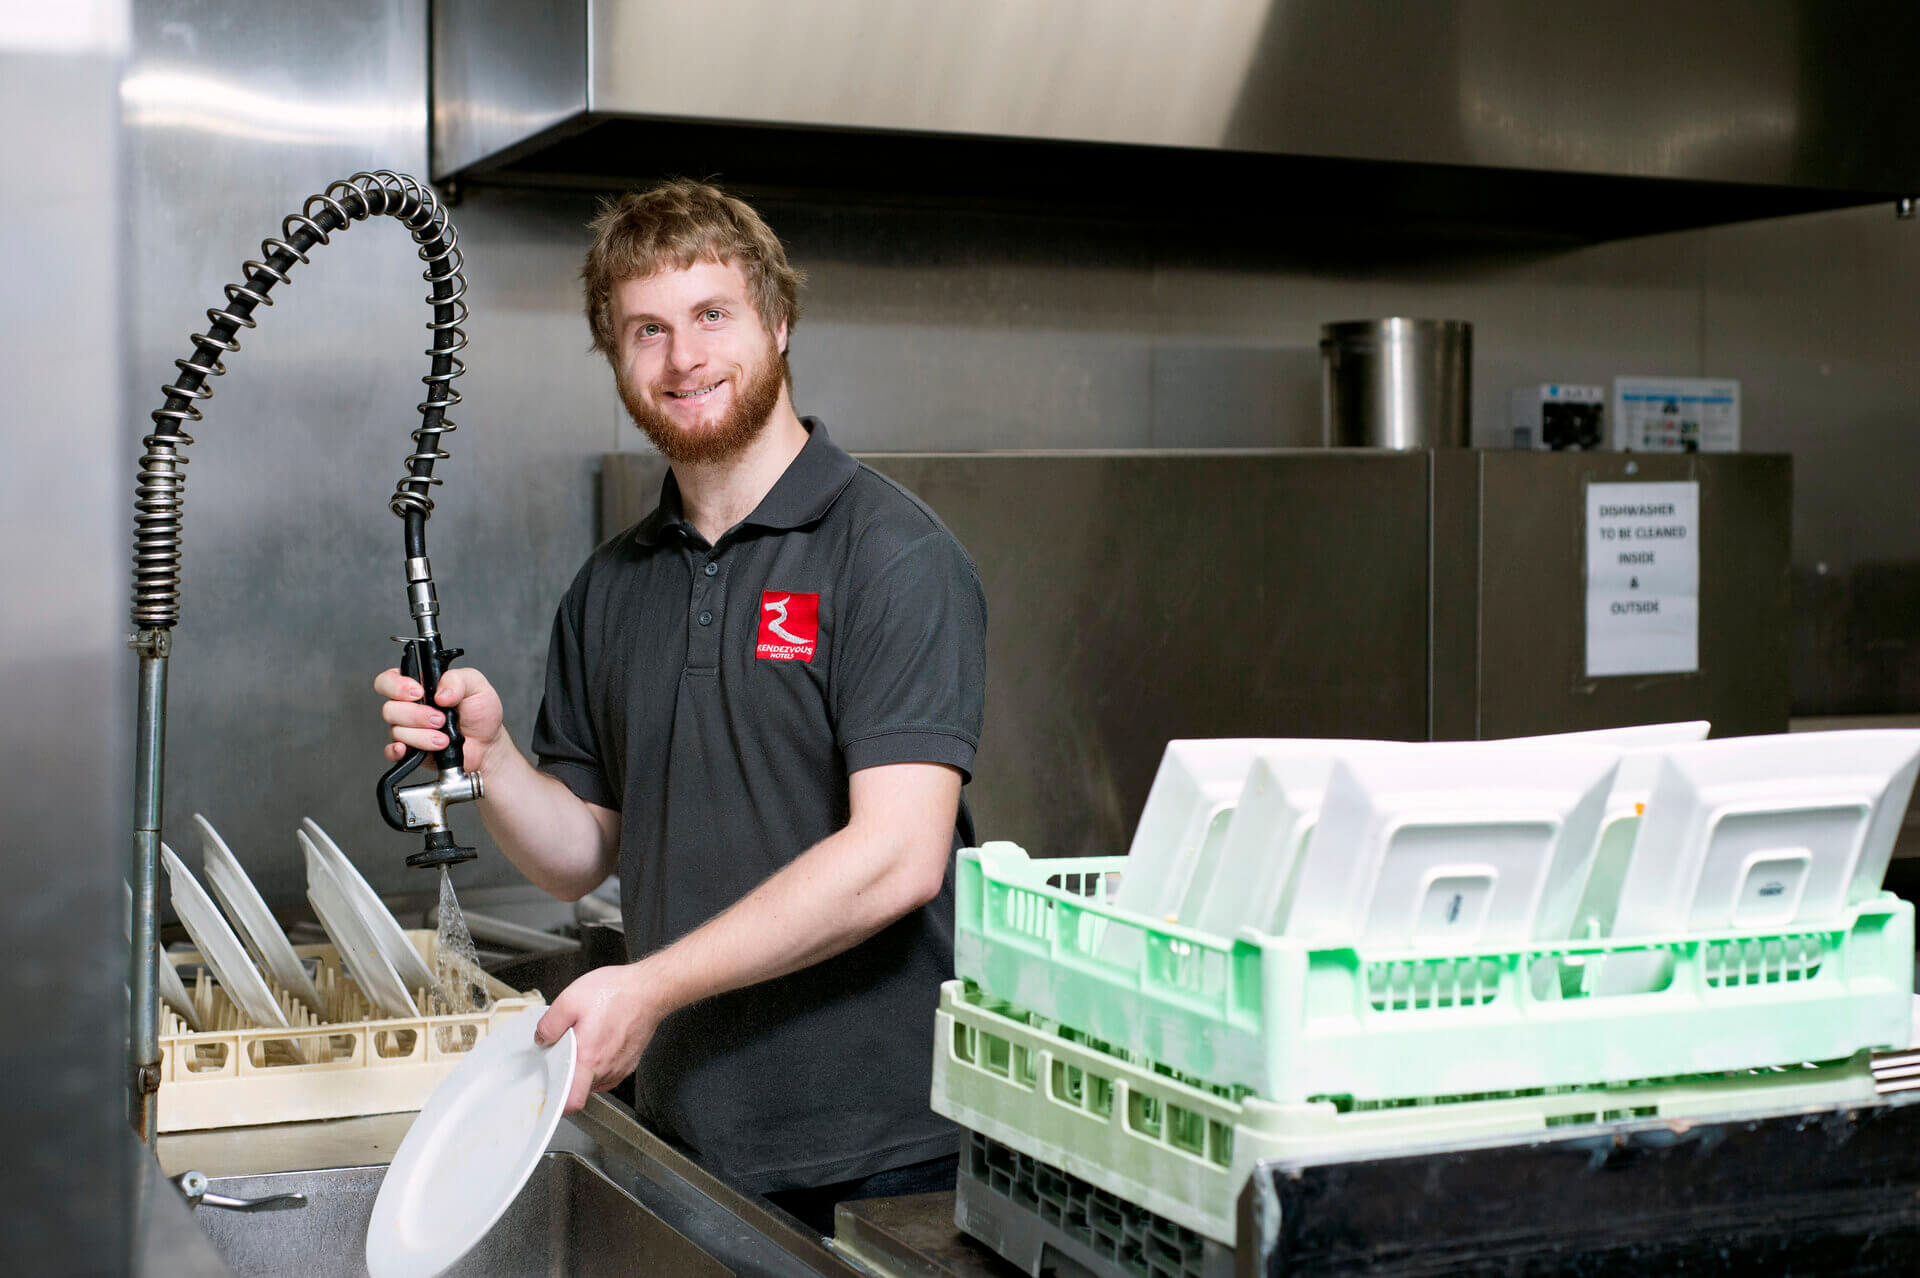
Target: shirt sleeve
[[910, 686], [564, 740]]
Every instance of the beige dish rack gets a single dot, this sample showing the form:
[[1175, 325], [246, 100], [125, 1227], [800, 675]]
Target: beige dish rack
[[351, 1061]]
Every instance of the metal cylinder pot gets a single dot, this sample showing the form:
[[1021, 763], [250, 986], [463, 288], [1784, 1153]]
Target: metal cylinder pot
[[1396, 383]]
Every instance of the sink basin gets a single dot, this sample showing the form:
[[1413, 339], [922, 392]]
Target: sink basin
[[569, 1220]]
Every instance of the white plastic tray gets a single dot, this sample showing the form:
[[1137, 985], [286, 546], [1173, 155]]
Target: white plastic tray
[[1452, 847], [1761, 832]]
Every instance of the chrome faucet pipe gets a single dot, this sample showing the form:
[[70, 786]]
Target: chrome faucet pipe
[[143, 1043]]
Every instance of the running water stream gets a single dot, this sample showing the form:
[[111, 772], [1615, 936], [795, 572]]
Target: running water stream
[[459, 984]]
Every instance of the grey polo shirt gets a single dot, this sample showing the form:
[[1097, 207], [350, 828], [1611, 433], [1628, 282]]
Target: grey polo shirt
[[718, 697]]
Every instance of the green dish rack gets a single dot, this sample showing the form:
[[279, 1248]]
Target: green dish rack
[[1182, 1152], [1290, 1022]]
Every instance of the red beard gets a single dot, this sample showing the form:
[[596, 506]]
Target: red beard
[[753, 404]]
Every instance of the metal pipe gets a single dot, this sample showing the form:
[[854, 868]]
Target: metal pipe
[[143, 1044]]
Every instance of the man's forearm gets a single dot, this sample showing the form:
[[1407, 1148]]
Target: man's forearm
[[563, 844], [891, 858], [830, 899]]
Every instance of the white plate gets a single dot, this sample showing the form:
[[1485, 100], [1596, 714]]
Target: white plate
[[1193, 792], [251, 917], [1642, 746], [1639, 736], [1762, 832], [370, 968], [220, 947], [1430, 844], [465, 1159], [384, 930], [174, 991], [1248, 885], [1620, 829]]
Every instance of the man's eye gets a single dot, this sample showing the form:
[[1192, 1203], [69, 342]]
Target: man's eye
[[649, 330], [714, 316]]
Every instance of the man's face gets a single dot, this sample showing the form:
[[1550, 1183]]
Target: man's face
[[696, 368]]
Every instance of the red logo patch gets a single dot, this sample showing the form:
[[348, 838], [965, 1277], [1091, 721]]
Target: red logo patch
[[789, 626]]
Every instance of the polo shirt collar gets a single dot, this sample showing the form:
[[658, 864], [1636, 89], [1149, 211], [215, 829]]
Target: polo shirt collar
[[805, 491]]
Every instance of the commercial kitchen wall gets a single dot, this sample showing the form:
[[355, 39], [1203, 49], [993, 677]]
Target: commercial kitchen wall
[[65, 674], [922, 330]]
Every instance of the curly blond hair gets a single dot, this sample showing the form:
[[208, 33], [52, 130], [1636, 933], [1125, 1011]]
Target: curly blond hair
[[672, 226]]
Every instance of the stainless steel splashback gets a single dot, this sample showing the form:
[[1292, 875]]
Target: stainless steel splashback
[[1781, 94]]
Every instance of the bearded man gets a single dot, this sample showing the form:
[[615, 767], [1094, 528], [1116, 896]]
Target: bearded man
[[761, 703]]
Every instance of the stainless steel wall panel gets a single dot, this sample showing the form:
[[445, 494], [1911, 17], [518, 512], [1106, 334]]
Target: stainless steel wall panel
[[1816, 319], [1133, 600], [66, 677], [1454, 675], [980, 388], [1224, 396], [1532, 663]]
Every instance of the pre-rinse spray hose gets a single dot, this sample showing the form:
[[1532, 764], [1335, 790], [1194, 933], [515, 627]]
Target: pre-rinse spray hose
[[156, 578], [156, 555]]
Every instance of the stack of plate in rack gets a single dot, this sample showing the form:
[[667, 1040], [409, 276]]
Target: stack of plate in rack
[[386, 966], [260, 1031], [1621, 832], [221, 949], [389, 970], [251, 917]]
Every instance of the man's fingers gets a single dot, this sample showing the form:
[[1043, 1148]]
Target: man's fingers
[[394, 686], [577, 1094], [420, 738], [558, 1020], [411, 714], [456, 685]]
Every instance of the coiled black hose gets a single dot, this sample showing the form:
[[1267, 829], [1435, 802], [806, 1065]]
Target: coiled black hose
[[162, 483]]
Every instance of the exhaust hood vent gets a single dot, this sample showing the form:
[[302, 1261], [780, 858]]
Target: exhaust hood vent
[[1458, 115]]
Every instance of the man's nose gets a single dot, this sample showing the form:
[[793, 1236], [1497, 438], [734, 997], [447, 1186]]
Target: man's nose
[[687, 352]]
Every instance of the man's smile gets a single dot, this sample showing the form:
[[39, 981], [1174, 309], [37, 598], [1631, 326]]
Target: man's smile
[[694, 393]]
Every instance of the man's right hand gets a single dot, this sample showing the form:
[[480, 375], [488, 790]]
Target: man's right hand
[[421, 727]]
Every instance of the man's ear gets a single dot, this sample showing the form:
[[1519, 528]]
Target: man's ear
[[780, 337]]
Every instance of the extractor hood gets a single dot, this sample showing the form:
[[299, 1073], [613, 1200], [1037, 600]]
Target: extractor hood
[[1594, 121]]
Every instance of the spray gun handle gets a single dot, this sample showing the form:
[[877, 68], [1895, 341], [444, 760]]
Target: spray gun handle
[[424, 661], [423, 806], [386, 789]]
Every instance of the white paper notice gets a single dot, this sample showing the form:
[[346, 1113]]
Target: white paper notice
[[1643, 578]]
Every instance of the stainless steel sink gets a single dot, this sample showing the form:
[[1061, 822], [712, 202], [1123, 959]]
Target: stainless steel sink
[[569, 1220], [608, 1197]]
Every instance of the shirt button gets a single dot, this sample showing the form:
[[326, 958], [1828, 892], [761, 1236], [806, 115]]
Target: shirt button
[[711, 569], [706, 619]]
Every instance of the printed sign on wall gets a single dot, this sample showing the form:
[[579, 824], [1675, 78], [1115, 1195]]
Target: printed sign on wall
[[1643, 578], [1676, 415]]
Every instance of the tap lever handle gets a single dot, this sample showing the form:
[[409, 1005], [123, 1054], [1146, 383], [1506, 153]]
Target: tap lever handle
[[193, 1187]]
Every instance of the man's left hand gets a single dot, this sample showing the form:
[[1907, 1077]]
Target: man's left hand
[[612, 1021]]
